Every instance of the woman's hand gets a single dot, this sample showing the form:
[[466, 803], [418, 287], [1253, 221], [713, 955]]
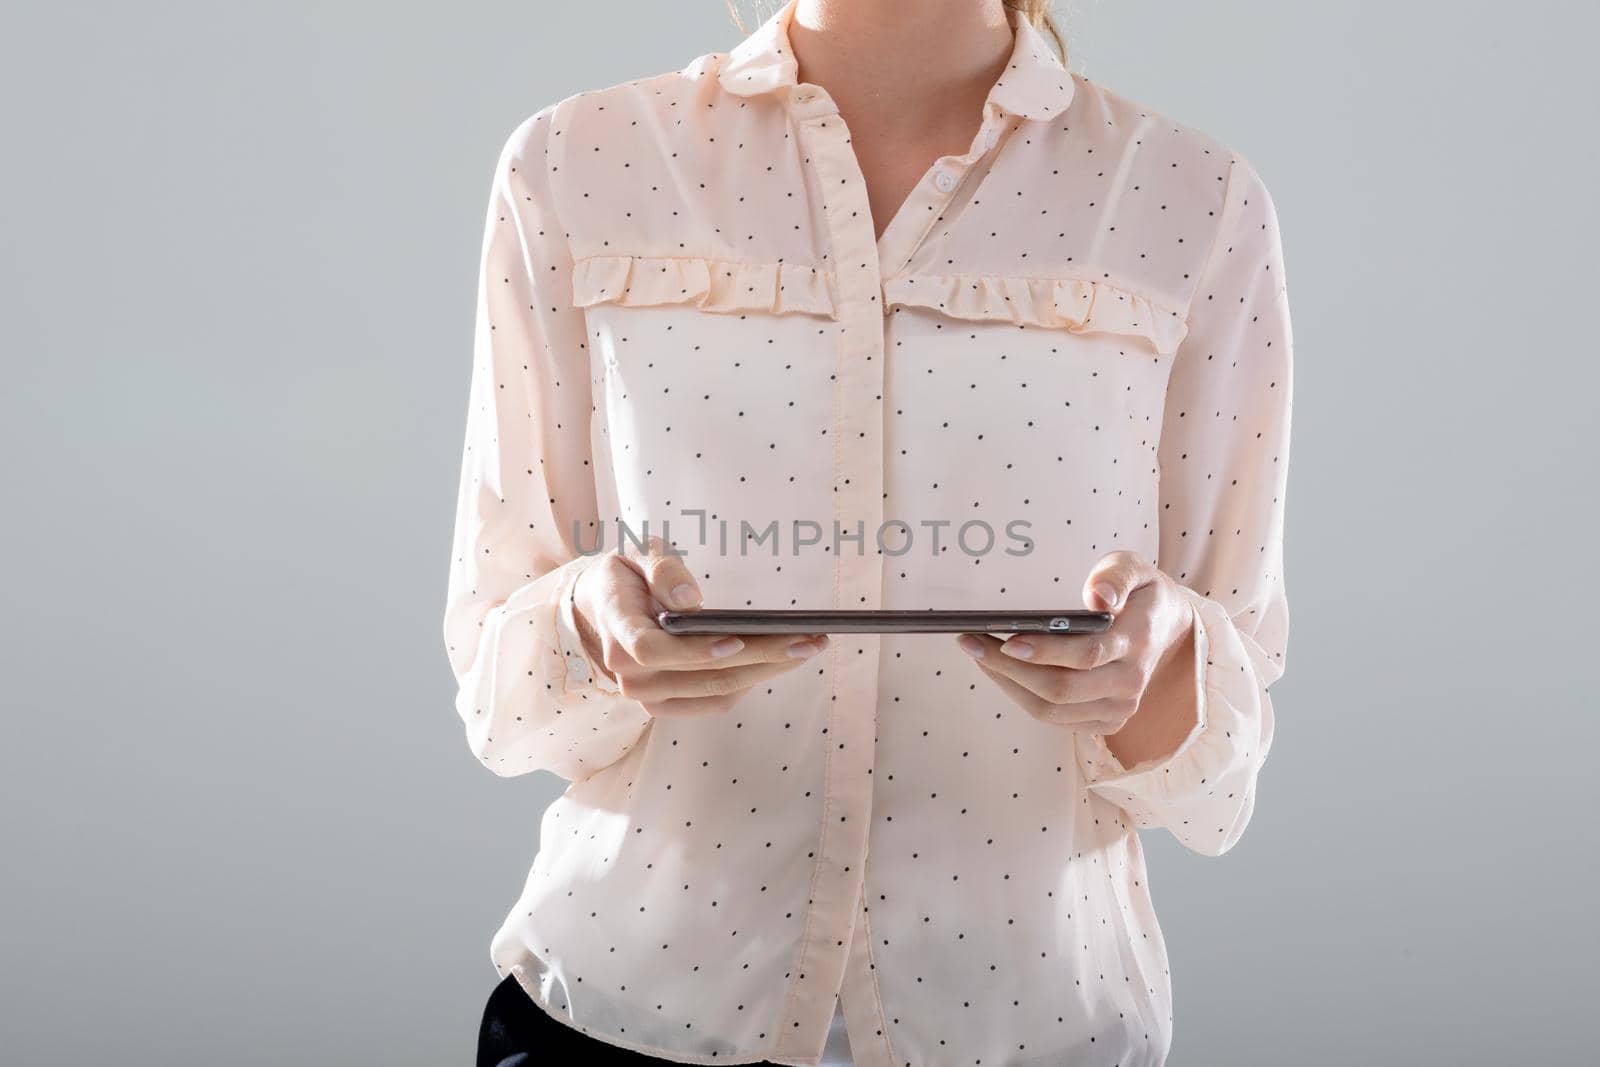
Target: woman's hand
[[1097, 682], [617, 597]]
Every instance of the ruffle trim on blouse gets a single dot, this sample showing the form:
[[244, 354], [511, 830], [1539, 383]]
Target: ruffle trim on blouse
[[708, 284], [1072, 304]]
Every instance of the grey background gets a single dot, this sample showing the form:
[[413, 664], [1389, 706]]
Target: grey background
[[241, 824]]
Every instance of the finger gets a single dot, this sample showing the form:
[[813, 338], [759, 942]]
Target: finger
[[1073, 716], [1114, 578], [652, 648], [774, 648], [681, 706], [692, 706], [1078, 651], [1114, 716], [657, 686], [1028, 700], [665, 574], [1055, 685], [628, 629]]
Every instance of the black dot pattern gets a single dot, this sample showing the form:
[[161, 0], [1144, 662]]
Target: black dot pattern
[[687, 322]]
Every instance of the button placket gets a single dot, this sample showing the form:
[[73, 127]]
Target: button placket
[[931, 197], [857, 441]]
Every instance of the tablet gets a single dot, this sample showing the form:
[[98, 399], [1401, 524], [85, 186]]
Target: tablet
[[926, 621]]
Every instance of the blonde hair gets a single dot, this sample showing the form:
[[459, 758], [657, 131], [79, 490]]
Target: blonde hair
[[1037, 12]]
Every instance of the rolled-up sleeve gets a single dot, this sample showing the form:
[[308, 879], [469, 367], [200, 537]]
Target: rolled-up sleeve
[[1224, 453], [529, 696]]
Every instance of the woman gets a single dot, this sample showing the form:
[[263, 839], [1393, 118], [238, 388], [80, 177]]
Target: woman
[[818, 313]]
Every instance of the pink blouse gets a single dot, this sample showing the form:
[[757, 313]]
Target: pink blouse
[[1073, 337]]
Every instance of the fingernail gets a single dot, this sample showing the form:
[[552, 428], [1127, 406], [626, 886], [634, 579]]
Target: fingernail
[[685, 596], [1019, 649], [1106, 593], [972, 647], [804, 649], [726, 647]]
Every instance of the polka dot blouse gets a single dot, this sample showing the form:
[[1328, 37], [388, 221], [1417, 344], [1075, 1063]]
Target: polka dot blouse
[[1072, 338]]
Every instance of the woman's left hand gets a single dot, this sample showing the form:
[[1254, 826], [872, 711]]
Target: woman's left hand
[[1096, 682]]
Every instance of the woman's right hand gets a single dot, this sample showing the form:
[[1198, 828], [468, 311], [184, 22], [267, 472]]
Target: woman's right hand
[[616, 598]]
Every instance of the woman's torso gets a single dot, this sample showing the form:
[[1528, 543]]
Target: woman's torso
[[883, 823]]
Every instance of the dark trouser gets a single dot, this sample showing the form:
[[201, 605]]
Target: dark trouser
[[516, 1032]]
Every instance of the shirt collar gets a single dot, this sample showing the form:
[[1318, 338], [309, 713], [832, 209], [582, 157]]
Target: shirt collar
[[1034, 86]]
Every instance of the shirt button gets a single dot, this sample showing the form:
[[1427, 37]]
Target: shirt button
[[944, 181]]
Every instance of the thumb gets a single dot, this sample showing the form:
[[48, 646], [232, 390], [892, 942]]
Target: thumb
[[665, 575], [1113, 579]]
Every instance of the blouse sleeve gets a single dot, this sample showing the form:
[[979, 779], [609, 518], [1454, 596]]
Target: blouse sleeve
[[527, 693], [1224, 453]]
